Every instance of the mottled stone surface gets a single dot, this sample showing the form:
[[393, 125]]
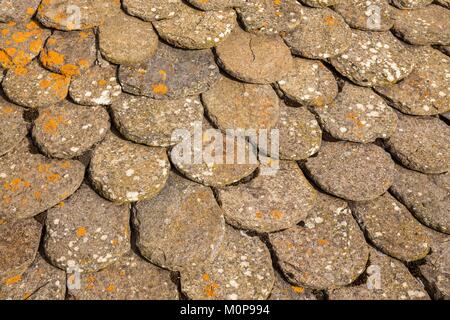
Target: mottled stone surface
[[13, 127], [282, 290], [374, 15], [12, 10]]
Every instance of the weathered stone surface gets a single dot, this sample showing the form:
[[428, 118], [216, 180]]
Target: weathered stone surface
[[374, 15], [67, 130], [69, 53], [208, 5], [421, 144], [122, 171], [321, 34], [435, 269], [330, 251], [20, 43], [86, 233], [40, 281], [152, 10], [35, 87], [388, 279], [181, 227], [426, 196], [242, 270], [269, 203], [195, 29], [320, 3], [254, 58], [425, 91], [270, 17], [374, 59], [235, 105], [359, 115], [352, 171], [127, 40], [13, 10], [19, 241], [13, 128], [97, 86], [410, 4], [31, 183], [129, 278], [392, 228], [285, 291], [154, 122], [309, 83], [171, 74], [425, 26], [76, 14]]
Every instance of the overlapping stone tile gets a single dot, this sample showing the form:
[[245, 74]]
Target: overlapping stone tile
[[171, 74], [282, 290], [208, 5], [421, 144], [40, 281], [152, 10], [129, 278], [320, 3], [182, 227], [67, 130], [269, 203], [11, 10], [13, 127], [254, 58], [242, 270], [352, 171], [86, 233], [328, 252], [411, 4], [123, 171]]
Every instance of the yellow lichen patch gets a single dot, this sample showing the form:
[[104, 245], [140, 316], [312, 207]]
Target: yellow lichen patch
[[37, 195], [330, 21], [210, 290], [276, 214], [205, 277], [84, 35], [90, 282], [7, 110], [26, 295], [84, 63], [259, 215], [29, 11], [66, 165], [13, 280], [102, 83], [36, 46], [61, 204], [52, 124], [114, 242], [277, 2], [52, 58], [323, 242], [298, 290], [160, 88], [43, 167], [2, 221], [111, 288], [163, 75], [81, 232], [54, 177], [70, 70]]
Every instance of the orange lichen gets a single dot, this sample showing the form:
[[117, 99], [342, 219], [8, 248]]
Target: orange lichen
[[54, 177], [70, 70], [276, 214], [160, 88], [102, 83], [205, 277], [111, 288], [37, 195], [13, 280], [259, 215], [81, 232], [298, 290], [330, 21], [210, 290], [52, 58], [323, 242]]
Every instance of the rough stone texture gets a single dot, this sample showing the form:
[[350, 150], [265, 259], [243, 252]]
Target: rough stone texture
[[13, 128], [269, 203], [40, 281], [86, 233], [122, 171], [35, 87], [388, 279], [321, 34], [410, 4], [352, 171], [359, 115], [195, 29], [374, 15], [31, 183], [215, 168], [67, 130], [270, 17], [320, 3], [97, 86], [425, 26], [208, 5], [309, 83], [13, 10], [129, 278], [435, 270], [69, 53], [235, 105], [181, 227], [285, 291], [407, 241], [425, 91], [421, 144], [127, 40], [444, 3], [19, 241], [171, 74], [328, 252], [20, 43], [242, 270], [300, 135], [76, 14], [374, 59], [154, 122], [254, 58], [152, 10], [426, 196]]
